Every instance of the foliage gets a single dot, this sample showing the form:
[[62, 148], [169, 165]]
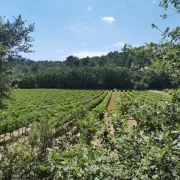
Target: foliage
[[59, 145], [60, 106], [14, 39], [149, 151], [140, 85], [174, 6], [116, 70]]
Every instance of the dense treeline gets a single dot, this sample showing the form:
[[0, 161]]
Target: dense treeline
[[122, 70]]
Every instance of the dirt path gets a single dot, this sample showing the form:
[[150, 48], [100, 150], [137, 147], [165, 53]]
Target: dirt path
[[19, 132], [96, 140], [111, 103], [6, 137], [131, 121], [159, 92], [107, 118], [15, 135]]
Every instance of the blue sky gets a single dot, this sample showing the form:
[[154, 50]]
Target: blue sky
[[87, 27]]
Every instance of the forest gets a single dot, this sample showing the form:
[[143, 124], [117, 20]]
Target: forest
[[122, 70]]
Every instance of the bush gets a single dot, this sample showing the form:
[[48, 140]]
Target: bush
[[140, 85]]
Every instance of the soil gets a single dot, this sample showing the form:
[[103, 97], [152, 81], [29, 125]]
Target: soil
[[111, 103], [23, 130], [131, 121], [160, 92], [110, 127], [96, 140], [109, 119], [19, 132], [6, 137]]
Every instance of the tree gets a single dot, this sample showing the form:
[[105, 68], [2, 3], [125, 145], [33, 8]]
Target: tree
[[168, 61], [72, 61], [173, 5], [14, 39]]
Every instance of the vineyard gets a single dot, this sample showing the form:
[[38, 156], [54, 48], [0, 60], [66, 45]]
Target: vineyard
[[90, 100], [89, 134], [60, 106]]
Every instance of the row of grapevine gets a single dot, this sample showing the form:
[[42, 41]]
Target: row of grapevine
[[127, 154], [147, 108], [153, 154], [58, 105]]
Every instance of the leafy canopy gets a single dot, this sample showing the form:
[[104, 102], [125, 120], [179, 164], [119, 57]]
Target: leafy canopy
[[14, 39]]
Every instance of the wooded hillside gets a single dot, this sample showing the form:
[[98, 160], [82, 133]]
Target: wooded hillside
[[122, 70]]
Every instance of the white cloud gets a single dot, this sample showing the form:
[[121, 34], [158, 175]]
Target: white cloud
[[60, 50], [110, 19], [62, 58], [80, 27], [119, 45], [89, 29], [89, 8], [84, 54], [154, 1], [74, 28]]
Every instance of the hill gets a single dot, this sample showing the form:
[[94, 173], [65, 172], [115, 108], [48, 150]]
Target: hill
[[122, 70]]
